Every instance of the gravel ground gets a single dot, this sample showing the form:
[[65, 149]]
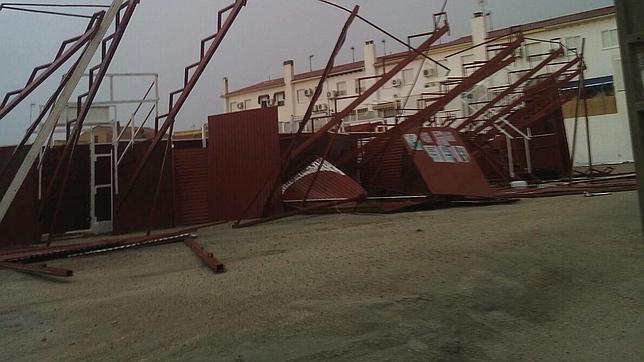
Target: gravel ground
[[544, 279]]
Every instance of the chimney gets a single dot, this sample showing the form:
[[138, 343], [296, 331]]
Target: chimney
[[479, 35], [369, 65], [225, 96], [289, 90]]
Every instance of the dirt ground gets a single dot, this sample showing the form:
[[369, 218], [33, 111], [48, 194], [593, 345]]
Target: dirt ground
[[545, 279]]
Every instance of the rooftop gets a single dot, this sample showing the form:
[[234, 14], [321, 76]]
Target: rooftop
[[357, 66]]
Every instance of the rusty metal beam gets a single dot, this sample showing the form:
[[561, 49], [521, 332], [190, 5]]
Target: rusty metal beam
[[338, 117], [207, 257], [510, 89], [505, 110], [35, 80], [68, 153], [37, 269], [57, 109], [240, 225], [32, 128], [499, 61], [307, 116], [175, 108]]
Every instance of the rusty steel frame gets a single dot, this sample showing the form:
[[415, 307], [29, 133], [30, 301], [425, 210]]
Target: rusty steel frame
[[286, 159], [207, 257], [14, 98], [189, 84], [499, 61], [493, 161], [389, 34], [521, 99], [526, 77], [338, 118], [552, 77], [32, 128], [107, 55]]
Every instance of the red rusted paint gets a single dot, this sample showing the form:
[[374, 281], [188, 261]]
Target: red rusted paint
[[331, 183], [191, 178], [20, 226], [445, 164], [132, 215], [244, 152]]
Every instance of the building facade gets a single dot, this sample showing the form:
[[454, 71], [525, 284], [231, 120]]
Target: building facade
[[604, 92]]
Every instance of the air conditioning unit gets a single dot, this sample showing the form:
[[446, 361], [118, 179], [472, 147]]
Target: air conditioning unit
[[396, 83], [468, 96], [308, 92], [321, 107], [431, 85], [332, 94], [240, 106], [428, 73], [381, 129]]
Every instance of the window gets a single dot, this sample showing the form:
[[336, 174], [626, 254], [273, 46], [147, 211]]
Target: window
[[466, 61], [279, 98], [248, 104], [408, 76], [359, 86], [573, 44], [301, 96], [610, 39], [234, 106], [600, 100], [264, 100], [533, 50], [341, 87]]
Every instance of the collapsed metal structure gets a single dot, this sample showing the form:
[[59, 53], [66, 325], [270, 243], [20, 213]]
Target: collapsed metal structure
[[427, 157]]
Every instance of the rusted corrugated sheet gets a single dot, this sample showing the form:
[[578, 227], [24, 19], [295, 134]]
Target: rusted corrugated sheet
[[445, 164], [20, 226], [191, 182], [329, 184], [75, 209], [244, 152], [388, 169], [342, 145], [133, 215]]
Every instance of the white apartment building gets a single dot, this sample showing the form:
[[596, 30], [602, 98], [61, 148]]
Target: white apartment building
[[604, 82]]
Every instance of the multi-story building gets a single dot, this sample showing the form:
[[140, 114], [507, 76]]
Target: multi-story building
[[596, 29]]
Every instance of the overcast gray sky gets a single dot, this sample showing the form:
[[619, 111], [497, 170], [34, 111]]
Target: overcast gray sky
[[164, 37]]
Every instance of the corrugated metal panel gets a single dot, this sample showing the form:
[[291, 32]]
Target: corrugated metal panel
[[75, 209], [191, 182], [330, 183], [445, 164], [133, 215], [244, 153], [20, 226], [389, 170]]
